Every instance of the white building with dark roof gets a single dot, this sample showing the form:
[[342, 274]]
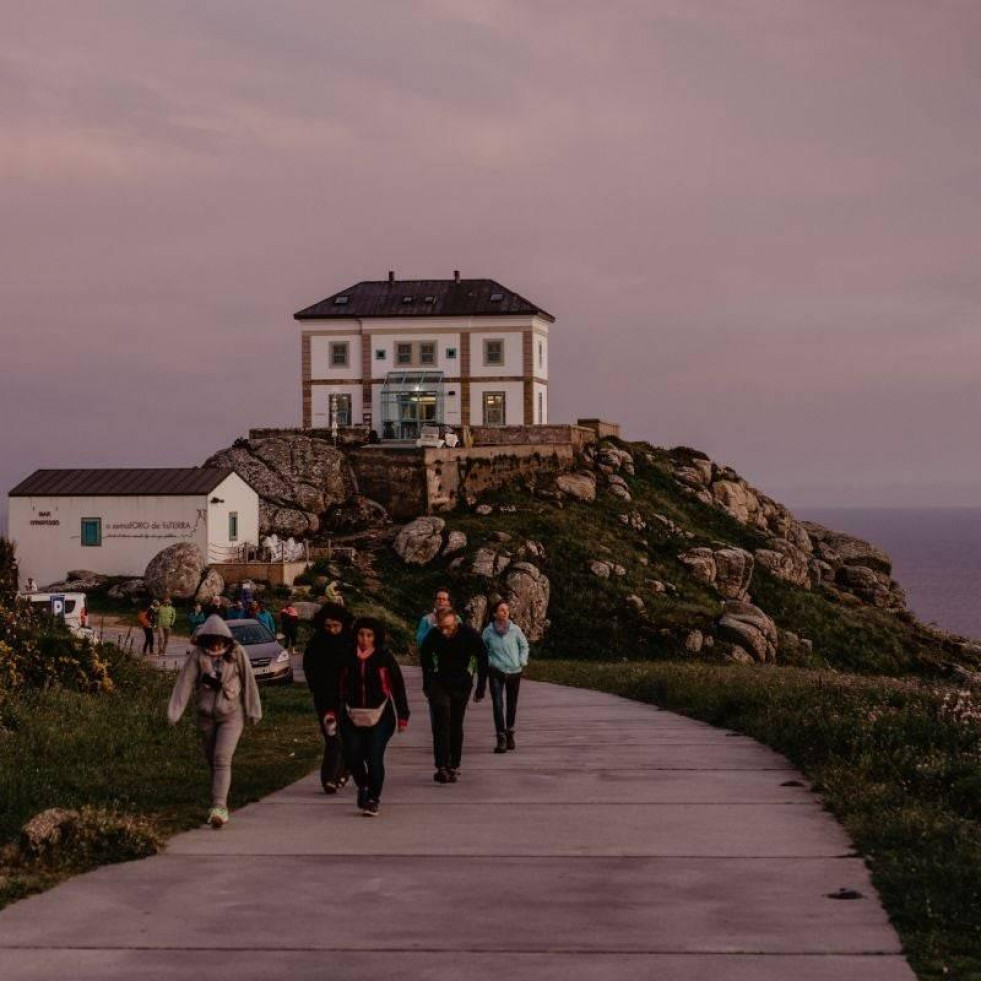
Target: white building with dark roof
[[399, 354], [114, 521]]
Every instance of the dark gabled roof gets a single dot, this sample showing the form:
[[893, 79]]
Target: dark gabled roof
[[170, 482], [428, 298]]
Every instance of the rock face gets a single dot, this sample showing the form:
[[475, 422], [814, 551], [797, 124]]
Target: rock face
[[128, 590], [786, 561], [299, 479], [212, 586], [527, 590], [750, 628], [176, 571], [420, 541], [580, 485], [729, 570], [456, 541], [475, 611], [488, 562]]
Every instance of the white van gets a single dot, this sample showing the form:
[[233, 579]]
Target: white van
[[71, 607]]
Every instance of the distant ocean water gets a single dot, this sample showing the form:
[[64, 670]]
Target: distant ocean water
[[936, 556]]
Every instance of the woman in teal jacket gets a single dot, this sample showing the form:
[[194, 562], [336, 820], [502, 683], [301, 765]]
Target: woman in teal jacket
[[507, 656]]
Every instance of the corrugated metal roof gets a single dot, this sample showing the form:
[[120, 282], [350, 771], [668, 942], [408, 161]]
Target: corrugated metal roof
[[169, 482], [423, 298]]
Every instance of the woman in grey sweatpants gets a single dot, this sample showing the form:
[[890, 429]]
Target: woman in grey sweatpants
[[219, 675]]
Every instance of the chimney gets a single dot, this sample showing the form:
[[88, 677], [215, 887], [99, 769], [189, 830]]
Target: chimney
[[456, 275], [391, 275]]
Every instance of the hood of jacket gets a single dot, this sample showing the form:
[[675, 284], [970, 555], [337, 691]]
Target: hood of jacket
[[214, 626]]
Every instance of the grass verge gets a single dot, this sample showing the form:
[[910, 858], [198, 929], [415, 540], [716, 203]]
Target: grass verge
[[116, 753], [897, 762]]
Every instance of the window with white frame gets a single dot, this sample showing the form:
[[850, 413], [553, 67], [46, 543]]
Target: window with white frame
[[493, 353], [403, 353], [427, 352], [340, 410], [494, 408], [339, 354]]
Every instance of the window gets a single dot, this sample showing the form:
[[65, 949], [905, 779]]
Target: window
[[541, 414], [496, 297], [340, 410], [541, 355], [450, 353], [427, 352], [91, 532], [493, 353], [233, 526], [379, 354], [403, 354], [340, 301], [339, 351], [494, 411]]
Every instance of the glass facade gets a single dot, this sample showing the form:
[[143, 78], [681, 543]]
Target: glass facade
[[409, 401]]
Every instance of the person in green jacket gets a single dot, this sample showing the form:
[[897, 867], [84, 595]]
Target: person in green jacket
[[166, 617], [507, 657]]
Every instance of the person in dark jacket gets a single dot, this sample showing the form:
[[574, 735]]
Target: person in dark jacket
[[289, 620], [328, 648], [450, 655], [368, 704]]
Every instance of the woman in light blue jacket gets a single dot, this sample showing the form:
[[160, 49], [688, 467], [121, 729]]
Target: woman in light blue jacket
[[507, 656]]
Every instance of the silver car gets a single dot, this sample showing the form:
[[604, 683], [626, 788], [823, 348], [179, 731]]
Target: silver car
[[270, 661]]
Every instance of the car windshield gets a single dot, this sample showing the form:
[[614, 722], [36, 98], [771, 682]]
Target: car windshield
[[251, 633]]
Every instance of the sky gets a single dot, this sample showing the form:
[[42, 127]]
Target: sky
[[756, 221]]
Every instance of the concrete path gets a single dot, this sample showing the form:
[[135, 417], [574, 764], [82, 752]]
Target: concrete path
[[619, 840]]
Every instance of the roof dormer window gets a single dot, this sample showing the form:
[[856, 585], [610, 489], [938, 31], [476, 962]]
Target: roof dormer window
[[340, 301], [406, 299], [496, 297]]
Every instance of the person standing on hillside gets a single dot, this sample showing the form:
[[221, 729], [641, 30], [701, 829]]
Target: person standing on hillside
[[289, 620], [450, 655], [218, 673], [326, 652], [368, 704], [507, 657], [166, 617], [147, 619], [441, 601]]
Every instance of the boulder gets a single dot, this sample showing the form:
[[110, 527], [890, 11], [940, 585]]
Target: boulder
[[531, 550], [420, 541], [45, 831], [786, 561], [475, 611], [620, 492], [636, 604], [87, 576], [456, 541], [633, 520], [489, 563], [527, 591], [212, 586], [848, 549], [734, 572], [580, 485], [615, 480], [298, 479], [599, 568], [701, 564], [176, 571], [869, 586], [128, 589], [750, 628], [740, 656], [484, 509], [357, 514], [738, 499], [694, 641]]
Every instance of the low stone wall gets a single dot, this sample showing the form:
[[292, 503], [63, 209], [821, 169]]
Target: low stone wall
[[277, 573], [601, 427], [394, 476], [346, 436], [577, 436]]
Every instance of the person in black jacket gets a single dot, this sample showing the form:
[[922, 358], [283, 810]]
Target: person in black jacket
[[368, 703], [449, 655], [330, 644]]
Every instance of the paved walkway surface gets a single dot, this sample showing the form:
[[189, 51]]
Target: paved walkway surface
[[619, 840]]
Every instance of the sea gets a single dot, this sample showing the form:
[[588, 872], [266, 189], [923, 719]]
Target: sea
[[936, 556]]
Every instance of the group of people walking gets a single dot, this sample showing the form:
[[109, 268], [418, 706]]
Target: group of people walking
[[359, 693], [157, 621]]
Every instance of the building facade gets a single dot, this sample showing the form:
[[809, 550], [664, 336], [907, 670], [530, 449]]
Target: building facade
[[114, 521], [396, 355]]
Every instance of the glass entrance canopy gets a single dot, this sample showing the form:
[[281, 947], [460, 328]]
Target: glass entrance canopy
[[409, 401]]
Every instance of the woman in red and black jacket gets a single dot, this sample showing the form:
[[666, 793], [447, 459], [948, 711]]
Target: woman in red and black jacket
[[370, 703]]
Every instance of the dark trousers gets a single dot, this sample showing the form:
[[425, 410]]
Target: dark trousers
[[364, 751], [447, 708], [148, 640], [504, 685], [333, 769]]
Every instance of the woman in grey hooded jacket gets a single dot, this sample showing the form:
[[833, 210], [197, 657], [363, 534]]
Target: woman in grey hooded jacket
[[218, 673]]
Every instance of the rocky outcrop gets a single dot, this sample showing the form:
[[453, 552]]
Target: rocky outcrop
[[489, 562], [176, 571], [748, 627], [786, 561], [456, 541], [298, 478], [729, 570], [357, 514], [580, 485], [475, 611], [420, 541], [527, 590], [130, 589]]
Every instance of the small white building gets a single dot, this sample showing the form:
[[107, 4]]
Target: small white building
[[114, 521], [399, 354]]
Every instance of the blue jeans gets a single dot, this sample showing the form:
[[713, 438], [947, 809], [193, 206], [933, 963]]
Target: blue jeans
[[364, 751], [502, 685]]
